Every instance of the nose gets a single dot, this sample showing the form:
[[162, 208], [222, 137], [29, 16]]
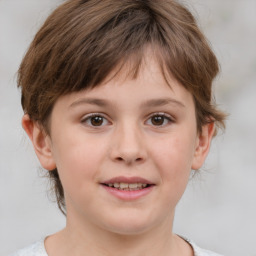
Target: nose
[[128, 145]]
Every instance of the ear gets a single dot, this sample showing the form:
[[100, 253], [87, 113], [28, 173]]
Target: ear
[[203, 145], [41, 142]]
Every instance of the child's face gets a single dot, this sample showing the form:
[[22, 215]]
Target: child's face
[[125, 131]]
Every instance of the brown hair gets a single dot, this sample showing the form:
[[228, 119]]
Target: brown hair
[[83, 41]]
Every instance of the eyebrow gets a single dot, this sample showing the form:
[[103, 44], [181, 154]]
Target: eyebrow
[[149, 103], [162, 102], [90, 101]]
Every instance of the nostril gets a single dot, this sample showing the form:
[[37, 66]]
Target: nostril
[[119, 159], [129, 160]]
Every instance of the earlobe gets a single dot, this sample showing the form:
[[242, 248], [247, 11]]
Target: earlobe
[[41, 142], [203, 145]]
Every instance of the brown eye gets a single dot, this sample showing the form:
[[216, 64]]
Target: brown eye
[[157, 120], [95, 120], [160, 120]]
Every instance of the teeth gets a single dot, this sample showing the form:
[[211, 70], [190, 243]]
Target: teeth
[[127, 186], [124, 185]]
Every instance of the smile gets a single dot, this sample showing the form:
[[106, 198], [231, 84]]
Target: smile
[[127, 186]]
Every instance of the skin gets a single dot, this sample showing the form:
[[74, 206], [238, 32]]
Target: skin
[[145, 129]]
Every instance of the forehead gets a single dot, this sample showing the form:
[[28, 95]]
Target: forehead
[[148, 65], [149, 86]]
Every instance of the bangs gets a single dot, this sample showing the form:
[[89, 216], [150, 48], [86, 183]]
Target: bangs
[[117, 46]]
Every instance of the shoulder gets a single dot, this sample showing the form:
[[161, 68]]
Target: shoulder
[[202, 252], [36, 249]]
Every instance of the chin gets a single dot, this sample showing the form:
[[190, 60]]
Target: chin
[[130, 225], [129, 231]]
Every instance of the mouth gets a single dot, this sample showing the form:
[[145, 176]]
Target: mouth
[[128, 188]]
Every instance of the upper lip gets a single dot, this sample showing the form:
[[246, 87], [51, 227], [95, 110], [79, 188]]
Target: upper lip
[[123, 179]]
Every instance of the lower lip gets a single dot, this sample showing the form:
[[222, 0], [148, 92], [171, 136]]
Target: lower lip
[[128, 195]]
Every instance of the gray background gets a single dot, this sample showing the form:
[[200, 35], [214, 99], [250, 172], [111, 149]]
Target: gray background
[[219, 207]]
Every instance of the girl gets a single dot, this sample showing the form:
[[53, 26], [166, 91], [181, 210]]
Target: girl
[[118, 105]]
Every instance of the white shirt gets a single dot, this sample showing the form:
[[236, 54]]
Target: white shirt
[[38, 249]]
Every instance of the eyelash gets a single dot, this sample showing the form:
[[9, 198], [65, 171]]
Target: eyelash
[[167, 118], [88, 119]]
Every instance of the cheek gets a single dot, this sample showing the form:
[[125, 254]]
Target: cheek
[[173, 159], [78, 158], [174, 154]]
